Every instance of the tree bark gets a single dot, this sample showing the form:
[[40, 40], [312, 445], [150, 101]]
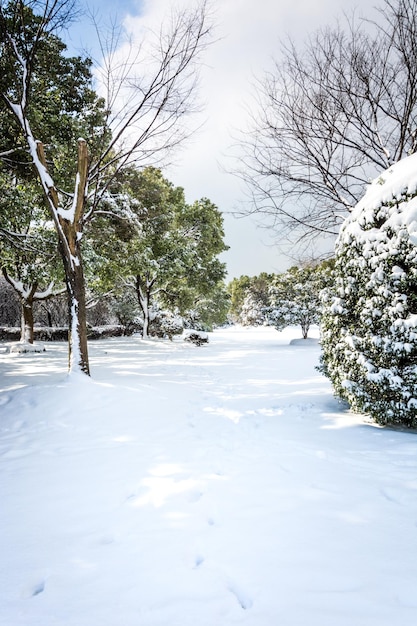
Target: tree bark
[[77, 331], [143, 292], [26, 297], [26, 332], [69, 228]]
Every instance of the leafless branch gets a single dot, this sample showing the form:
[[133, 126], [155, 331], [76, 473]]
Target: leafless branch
[[328, 119]]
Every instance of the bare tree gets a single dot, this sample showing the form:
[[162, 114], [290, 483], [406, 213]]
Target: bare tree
[[330, 118], [144, 123]]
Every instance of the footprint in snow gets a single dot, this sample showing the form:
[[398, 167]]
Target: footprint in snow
[[106, 540], [34, 589], [241, 596], [38, 588], [194, 496], [198, 561]]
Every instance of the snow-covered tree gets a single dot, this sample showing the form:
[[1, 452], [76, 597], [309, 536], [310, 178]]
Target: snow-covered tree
[[369, 324], [144, 122], [208, 311], [28, 255], [238, 289], [167, 253], [252, 312], [295, 298], [249, 298]]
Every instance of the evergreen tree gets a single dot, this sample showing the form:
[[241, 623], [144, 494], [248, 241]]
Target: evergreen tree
[[237, 289], [295, 298]]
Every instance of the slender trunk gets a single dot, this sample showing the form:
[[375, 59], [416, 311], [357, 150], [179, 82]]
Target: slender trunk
[[145, 330], [143, 292], [305, 326], [143, 300]]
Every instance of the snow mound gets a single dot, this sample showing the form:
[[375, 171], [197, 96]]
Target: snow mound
[[309, 341], [24, 347]]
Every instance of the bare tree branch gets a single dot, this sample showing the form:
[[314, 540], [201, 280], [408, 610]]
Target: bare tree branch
[[330, 118]]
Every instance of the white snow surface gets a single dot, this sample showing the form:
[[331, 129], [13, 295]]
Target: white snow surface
[[199, 486]]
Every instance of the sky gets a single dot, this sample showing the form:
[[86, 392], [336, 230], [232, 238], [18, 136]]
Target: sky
[[247, 38]]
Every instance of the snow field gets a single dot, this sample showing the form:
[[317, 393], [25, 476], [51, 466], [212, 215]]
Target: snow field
[[208, 486]]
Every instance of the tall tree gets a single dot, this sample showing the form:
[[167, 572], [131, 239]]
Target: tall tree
[[330, 117], [149, 122]]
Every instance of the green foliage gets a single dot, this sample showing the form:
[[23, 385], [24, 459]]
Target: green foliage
[[61, 104], [250, 297], [211, 310], [160, 246], [237, 289], [28, 246]]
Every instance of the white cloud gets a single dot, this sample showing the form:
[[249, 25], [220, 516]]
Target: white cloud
[[247, 36]]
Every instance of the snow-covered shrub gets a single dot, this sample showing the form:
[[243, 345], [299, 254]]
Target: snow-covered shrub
[[196, 337], [164, 324], [252, 312], [369, 324]]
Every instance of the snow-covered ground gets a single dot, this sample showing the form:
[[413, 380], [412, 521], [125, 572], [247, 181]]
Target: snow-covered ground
[[199, 486]]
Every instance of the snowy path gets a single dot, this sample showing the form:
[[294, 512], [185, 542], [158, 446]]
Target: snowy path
[[206, 486]]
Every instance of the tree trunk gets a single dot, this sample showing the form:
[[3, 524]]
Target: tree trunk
[[143, 291], [69, 227], [26, 297], [26, 332], [143, 300], [145, 330], [77, 331]]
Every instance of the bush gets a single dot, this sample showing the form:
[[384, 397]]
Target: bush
[[165, 324], [196, 337], [369, 323]]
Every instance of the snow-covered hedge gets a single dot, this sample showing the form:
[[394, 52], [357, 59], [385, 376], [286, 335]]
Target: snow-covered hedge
[[369, 325], [60, 333]]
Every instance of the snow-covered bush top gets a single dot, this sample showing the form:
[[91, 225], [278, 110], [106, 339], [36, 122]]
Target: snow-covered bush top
[[379, 208], [369, 326]]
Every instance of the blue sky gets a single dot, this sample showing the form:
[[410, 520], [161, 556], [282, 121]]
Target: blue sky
[[248, 37]]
